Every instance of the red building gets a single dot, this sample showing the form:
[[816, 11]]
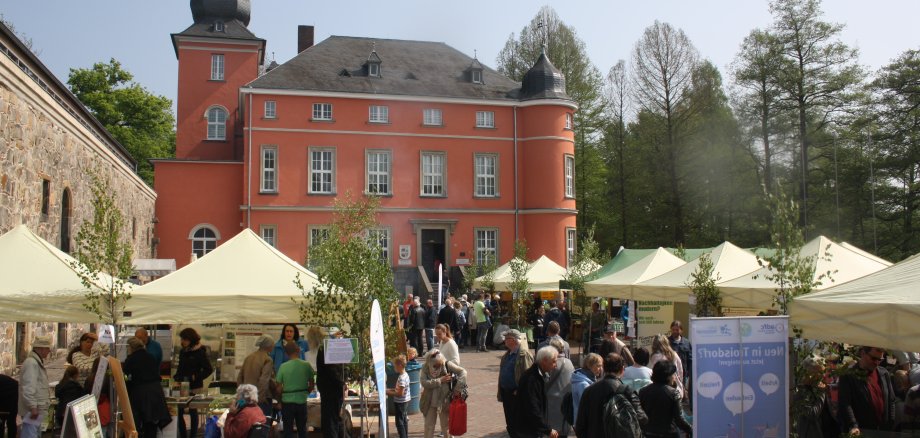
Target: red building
[[464, 159]]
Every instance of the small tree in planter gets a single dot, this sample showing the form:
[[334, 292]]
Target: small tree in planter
[[104, 257], [707, 294], [519, 284], [352, 274]]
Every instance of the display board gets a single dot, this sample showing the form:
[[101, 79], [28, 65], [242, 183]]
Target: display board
[[81, 419], [740, 375], [653, 318], [340, 350]]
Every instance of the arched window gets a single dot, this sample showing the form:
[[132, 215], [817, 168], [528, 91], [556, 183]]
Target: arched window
[[204, 240], [217, 123]]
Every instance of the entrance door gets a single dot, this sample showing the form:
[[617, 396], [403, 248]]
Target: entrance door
[[433, 251]]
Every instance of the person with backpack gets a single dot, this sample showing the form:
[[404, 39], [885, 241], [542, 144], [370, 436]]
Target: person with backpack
[[661, 402], [608, 408]]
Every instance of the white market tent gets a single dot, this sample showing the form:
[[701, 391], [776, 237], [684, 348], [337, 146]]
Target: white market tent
[[241, 281], [619, 284], [729, 262], [543, 275], [839, 264], [881, 309], [39, 282]]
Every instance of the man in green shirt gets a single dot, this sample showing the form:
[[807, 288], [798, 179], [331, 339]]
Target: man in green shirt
[[295, 379], [481, 313]]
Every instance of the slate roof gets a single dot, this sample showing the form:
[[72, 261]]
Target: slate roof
[[410, 68], [233, 29], [543, 81]]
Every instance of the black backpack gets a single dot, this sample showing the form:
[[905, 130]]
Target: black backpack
[[568, 408], [620, 418]]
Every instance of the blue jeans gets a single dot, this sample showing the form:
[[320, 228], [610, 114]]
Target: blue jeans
[[402, 419], [30, 430], [294, 413], [429, 336]]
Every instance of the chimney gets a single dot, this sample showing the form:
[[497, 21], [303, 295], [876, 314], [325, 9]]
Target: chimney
[[304, 38]]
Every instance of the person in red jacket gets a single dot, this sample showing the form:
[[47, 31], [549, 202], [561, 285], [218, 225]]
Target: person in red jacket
[[244, 413]]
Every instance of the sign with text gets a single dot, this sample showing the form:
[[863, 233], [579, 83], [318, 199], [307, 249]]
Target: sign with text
[[654, 317], [740, 376], [81, 419], [341, 350]]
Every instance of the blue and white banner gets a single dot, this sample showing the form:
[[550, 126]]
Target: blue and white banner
[[740, 375], [378, 354]]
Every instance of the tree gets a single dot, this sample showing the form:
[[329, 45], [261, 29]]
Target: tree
[[583, 83], [703, 284], [26, 40], [519, 284], [618, 103], [756, 70], [821, 80], [141, 121], [351, 276], [103, 256], [663, 63], [588, 257]]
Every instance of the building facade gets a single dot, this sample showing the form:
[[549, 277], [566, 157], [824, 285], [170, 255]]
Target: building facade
[[464, 160]]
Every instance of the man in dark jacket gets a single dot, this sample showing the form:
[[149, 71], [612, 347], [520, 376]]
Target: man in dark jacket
[[530, 400], [684, 350], [447, 315], [417, 320], [589, 423], [865, 396]]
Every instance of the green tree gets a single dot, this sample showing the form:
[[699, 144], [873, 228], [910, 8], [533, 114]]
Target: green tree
[[703, 284], [351, 276], [664, 60], [821, 81], [141, 121], [618, 105], [104, 256], [588, 257], [519, 284]]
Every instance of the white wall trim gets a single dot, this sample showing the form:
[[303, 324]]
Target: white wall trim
[[412, 98]]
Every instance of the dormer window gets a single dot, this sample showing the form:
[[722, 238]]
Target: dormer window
[[373, 70], [218, 26], [477, 76], [373, 63]]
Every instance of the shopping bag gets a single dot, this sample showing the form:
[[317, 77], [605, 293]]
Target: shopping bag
[[211, 430], [457, 415]]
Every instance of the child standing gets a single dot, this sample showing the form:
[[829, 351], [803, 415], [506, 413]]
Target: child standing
[[401, 396]]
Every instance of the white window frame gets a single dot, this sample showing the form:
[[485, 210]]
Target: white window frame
[[217, 129], [568, 121], [386, 244], [477, 76], [269, 234], [374, 175], [313, 171], [373, 69], [481, 179], [437, 179], [322, 111], [217, 67], [268, 177], [432, 117], [207, 243], [378, 114], [571, 245], [482, 236], [314, 231], [485, 119], [568, 169], [219, 26], [271, 109]]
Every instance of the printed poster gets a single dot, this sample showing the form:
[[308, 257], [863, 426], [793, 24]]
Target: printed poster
[[740, 375]]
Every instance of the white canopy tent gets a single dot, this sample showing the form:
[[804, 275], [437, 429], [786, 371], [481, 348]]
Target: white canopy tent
[[39, 282], [543, 275], [837, 262], [619, 283], [729, 261], [243, 280], [881, 309]]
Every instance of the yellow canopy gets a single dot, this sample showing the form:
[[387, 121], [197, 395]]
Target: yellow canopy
[[243, 280]]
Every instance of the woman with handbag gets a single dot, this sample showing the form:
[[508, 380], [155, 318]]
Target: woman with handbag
[[441, 380]]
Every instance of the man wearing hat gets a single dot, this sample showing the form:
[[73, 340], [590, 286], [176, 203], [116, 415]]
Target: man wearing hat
[[34, 398], [612, 344], [259, 370], [514, 363]]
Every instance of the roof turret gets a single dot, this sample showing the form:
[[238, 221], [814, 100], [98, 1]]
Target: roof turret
[[227, 10], [543, 81]]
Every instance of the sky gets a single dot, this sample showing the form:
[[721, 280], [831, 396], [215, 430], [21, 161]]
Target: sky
[[75, 34]]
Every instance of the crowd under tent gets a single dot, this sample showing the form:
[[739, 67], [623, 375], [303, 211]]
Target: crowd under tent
[[835, 264], [617, 284], [40, 282], [244, 280], [881, 309], [728, 260]]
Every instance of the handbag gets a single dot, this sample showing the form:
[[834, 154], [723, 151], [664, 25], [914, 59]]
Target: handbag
[[457, 416]]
